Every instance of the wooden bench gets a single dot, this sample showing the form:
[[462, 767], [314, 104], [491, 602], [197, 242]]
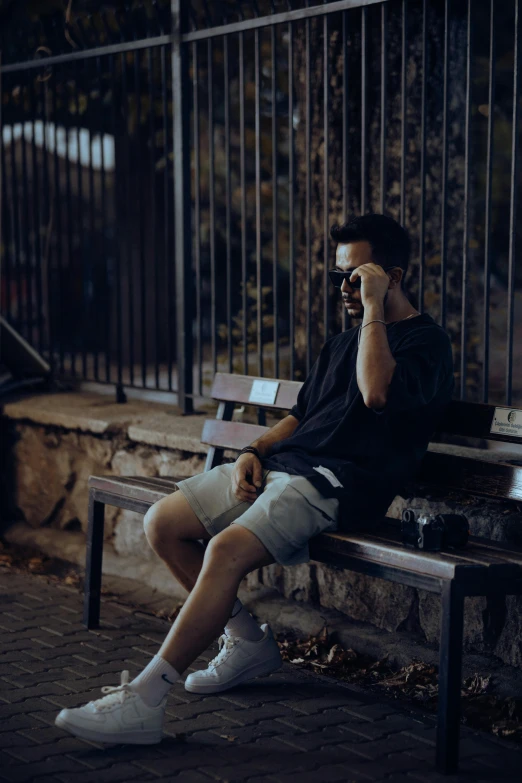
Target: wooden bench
[[483, 568]]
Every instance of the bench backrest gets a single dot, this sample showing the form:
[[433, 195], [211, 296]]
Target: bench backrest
[[492, 479]]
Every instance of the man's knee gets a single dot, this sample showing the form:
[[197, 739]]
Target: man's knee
[[236, 550], [163, 522], [154, 524]]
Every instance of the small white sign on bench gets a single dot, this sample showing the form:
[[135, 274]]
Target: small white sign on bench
[[507, 421], [264, 392]]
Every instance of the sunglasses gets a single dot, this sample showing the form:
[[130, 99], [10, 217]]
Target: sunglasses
[[337, 277]]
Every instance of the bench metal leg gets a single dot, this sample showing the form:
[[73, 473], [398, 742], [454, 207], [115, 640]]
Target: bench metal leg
[[93, 563], [450, 674]]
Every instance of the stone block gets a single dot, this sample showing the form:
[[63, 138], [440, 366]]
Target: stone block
[[474, 618], [364, 598], [129, 537], [509, 645]]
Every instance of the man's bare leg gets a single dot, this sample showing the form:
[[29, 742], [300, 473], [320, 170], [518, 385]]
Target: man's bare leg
[[173, 531], [134, 712], [229, 557]]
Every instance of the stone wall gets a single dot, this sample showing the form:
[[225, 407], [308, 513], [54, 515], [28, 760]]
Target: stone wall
[[57, 441]]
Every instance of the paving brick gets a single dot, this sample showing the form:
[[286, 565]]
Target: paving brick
[[318, 704], [44, 751], [314, 740], [30, 705], [286, 727], [247, 717], [17, 695], [116, 772], [15, 722], [29, 772], [311, 722]]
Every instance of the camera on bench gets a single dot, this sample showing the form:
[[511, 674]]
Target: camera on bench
[[433, 532]]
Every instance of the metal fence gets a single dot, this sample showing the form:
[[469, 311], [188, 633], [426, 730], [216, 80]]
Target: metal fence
[[167, 200]]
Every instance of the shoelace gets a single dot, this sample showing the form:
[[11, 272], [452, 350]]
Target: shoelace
[[116, 693], [225, 645]]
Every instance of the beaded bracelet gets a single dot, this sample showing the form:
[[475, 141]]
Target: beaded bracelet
[[250, 450]]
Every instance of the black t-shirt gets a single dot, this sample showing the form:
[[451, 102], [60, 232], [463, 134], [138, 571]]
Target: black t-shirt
[[365, 455]]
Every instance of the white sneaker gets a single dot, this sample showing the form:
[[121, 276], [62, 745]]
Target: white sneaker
[[121, 716], [239, 660]]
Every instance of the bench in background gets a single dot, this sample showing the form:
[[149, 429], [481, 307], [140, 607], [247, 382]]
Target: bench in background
[[483, 568]]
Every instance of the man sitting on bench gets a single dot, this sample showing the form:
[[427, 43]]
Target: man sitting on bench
[[362, 423]]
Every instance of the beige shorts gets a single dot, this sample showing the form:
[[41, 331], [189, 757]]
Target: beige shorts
[[287, 513]]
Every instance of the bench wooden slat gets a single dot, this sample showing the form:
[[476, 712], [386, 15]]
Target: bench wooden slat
[[472, 419], [390, 552], [237, 388], [472, 553], [145, 489], [478, 477], [230, 434]]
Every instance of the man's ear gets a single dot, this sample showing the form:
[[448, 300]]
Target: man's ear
[[396, 276]]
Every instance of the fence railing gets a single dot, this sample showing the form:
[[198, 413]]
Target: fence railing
[[166, 201]]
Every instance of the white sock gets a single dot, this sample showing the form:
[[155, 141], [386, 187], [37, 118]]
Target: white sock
[[242, 624], [155, 681]]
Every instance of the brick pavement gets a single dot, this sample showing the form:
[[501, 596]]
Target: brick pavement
[[291, 726]]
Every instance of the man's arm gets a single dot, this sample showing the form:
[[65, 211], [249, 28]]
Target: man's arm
[[280, 431], [375, 362]]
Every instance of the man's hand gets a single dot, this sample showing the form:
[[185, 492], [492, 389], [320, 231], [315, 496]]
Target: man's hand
[[247, 476], [375, 282]]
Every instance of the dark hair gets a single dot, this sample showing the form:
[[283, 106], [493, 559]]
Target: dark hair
[[389, 241]]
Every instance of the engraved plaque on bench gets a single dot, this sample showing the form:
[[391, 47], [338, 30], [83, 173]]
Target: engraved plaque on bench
[[264, 392], [507, 421]]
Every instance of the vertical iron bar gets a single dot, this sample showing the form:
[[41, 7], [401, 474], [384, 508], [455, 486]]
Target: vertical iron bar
[[129, 223], [79, 207], [228, 207], [26, 232], [515, 175], [489, 182], [182, 205], [326, 182], [444, 198], [243, 197], [139, 221], [384, 96], [70, 252], [212, 202], [345, 141], [291, 198], [152, 212], [7, 249], [257, 70], [108, 271], [58, 233], [36, 225], [15, 234], [364, 118], [49, 229], [275, 222], [404, 50], [308, 208], [166, 220], [465, 239], [422, 216], [197, 212], [346, 201], [118, 200], [93, 256]]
